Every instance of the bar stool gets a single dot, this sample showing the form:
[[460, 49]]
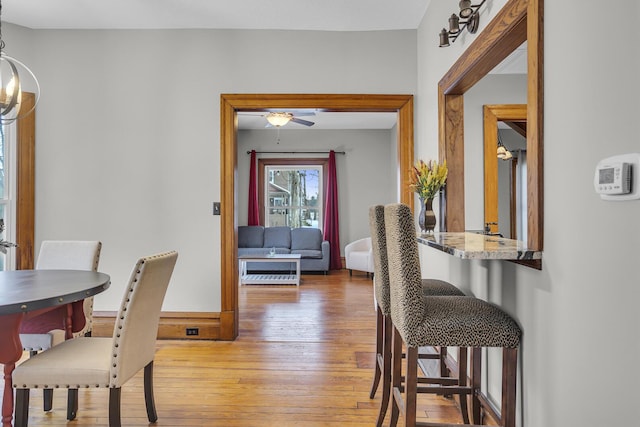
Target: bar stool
[[441, 321], [384, 329]]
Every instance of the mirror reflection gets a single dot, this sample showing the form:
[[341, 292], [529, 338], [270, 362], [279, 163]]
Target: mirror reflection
[[512, 180], [505, 163]]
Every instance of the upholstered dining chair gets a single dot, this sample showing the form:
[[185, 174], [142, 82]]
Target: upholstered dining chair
[[442, 321], [384, 328], [62, 255], [86, 362]]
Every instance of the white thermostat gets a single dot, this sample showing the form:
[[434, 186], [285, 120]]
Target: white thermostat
[[617, 177]]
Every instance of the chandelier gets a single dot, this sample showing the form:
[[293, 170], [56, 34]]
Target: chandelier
[[14, 76]]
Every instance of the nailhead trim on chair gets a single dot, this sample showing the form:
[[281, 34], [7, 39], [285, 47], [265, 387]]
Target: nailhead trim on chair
[[114, 364]]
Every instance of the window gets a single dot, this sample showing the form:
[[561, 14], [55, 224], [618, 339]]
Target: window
[[292, 192], [6, 203]]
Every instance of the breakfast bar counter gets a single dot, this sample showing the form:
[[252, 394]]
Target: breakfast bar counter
[[469, 245]]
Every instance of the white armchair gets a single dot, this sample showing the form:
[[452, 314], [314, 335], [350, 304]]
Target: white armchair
[[358, 255]]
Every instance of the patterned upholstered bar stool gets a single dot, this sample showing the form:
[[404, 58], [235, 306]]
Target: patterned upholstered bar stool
[[430, 287], [442, 321]]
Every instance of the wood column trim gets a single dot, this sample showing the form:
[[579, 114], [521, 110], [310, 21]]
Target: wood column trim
[[25, 185], [451, 131]]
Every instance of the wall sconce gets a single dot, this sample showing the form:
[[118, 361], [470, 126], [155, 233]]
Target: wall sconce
[[469, 13]]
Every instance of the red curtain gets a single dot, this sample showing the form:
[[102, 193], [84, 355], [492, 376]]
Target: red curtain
[[253, 215], [331, 224]]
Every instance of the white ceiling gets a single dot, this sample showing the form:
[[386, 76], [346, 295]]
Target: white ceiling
[[323, 120], [322, 15]]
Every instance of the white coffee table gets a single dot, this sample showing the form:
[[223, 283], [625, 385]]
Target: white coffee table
[[272, 278]]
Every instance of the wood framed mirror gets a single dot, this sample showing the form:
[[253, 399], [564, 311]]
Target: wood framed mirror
[[517, 22]]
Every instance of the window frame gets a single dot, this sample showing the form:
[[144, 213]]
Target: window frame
[[263, 163]]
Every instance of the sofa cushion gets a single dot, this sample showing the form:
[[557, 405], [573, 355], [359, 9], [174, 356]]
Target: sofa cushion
[[307, 253], [306, 239], [277, 237], [250, 236]]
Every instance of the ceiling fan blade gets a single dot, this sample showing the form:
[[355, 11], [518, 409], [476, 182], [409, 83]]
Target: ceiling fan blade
[[293, 112], [302, 122]]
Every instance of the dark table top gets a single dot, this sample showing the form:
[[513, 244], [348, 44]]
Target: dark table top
[[27, 290]]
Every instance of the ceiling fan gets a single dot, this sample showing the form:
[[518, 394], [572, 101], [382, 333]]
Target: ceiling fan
[[281, 118]]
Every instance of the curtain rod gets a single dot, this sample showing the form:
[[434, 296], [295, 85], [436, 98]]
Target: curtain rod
[[296, 152]]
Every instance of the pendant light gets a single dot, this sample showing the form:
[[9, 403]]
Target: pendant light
[[14, 77]]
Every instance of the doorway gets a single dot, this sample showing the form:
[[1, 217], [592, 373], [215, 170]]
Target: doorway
[[230, 104]]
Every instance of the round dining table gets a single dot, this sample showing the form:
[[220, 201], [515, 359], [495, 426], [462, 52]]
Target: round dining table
[[28, 294]]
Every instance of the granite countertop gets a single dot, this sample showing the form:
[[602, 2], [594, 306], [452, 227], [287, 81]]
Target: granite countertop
[[468, 245]]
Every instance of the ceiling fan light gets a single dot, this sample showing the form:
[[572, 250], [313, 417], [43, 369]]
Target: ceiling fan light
[[279, 119]]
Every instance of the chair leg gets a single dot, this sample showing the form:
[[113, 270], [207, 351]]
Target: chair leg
[[509, 376], [152, 415], [396, 376], [22, 407], [350, 272], [411, 388], [462, 382], [379, 352], [114, 407], [476, 379], [47, 399], [72, 403], [444, 370], [386, 368]]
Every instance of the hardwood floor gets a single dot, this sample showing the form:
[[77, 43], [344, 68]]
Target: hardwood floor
[[304, 357]]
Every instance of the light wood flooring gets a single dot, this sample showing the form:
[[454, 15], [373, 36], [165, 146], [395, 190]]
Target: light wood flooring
[[304, 357]]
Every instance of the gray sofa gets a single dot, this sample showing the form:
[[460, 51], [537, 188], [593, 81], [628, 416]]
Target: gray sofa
[[256, 239]]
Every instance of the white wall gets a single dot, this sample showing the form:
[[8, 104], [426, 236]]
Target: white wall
[[580, 346], [128, 131], [365, 174]]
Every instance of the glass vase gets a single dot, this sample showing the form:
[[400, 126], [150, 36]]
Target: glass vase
[[427, 218]]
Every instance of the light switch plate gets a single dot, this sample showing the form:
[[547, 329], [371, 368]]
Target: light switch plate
[[216, 208]]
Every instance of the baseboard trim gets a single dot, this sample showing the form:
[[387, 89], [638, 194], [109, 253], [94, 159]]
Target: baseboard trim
[[172, 325]]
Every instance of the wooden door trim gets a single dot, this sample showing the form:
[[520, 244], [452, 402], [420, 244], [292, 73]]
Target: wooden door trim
[[25, 185], [230, 104]]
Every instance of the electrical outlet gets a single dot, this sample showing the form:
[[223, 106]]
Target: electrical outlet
[[216, 208], [192, 331]]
